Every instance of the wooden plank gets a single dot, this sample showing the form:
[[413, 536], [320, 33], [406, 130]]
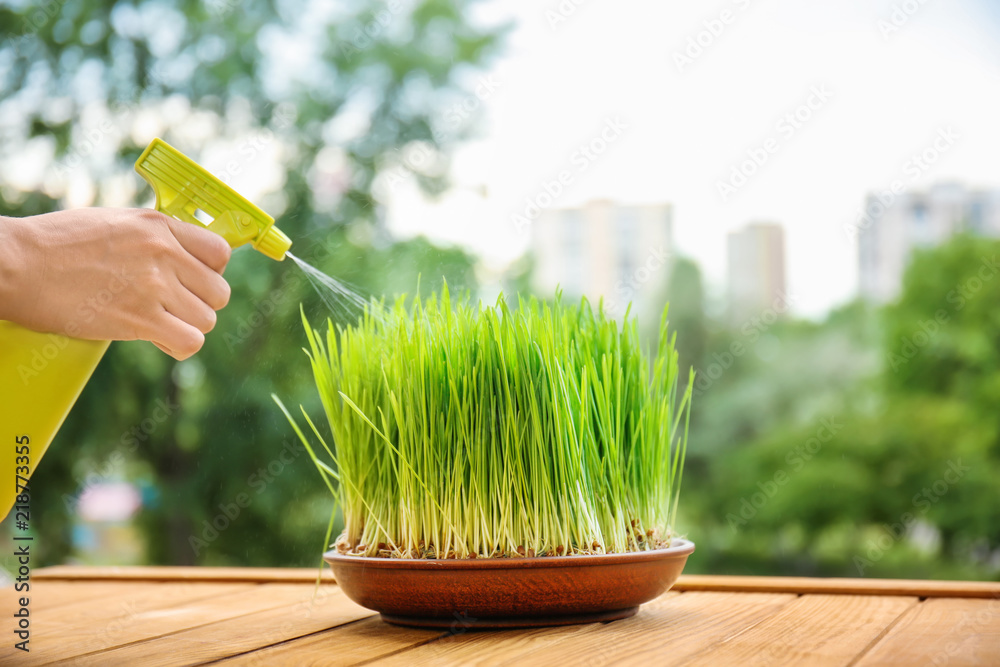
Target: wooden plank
[[112, 598], [131, 601], [156, 620], [126, 599], [664, 631], [289, 575], [522, 647], [106, 621], [347, 645], [940, 632], [693, 582], [215, 641], [813, 630], [52, 594], [52, 602], [808, 585], [189, 619]]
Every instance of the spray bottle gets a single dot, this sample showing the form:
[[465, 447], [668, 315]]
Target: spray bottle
[[42, 375]]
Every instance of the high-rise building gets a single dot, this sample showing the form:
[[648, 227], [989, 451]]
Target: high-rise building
[[756, 275], [601, 249], [892, 225]]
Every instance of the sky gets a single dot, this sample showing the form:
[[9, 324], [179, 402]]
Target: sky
[[868, 84]]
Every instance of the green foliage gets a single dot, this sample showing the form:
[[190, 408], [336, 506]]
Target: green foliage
[[496, 432], [943, 335], [919, 464], [865, 445], [761, 378], [686, 296]]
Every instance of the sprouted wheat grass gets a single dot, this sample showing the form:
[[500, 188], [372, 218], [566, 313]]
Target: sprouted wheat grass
[[464, 432]]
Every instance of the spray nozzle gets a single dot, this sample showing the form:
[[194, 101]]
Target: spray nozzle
[[184, 189]]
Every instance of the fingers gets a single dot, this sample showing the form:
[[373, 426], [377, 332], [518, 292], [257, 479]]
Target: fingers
[[177, 338], [208, 247], [189, 308], [205, 284], [189, 302]]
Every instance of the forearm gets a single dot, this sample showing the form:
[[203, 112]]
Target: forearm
[[13, 264]]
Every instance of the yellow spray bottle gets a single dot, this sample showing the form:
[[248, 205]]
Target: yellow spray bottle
[[42, 375]]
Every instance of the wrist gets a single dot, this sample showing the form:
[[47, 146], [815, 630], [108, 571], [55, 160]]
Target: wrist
[[13, 266]]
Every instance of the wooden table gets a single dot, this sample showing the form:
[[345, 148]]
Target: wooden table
[[186, 616]]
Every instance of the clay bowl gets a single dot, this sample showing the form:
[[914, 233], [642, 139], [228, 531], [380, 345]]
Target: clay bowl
[[509, 592]]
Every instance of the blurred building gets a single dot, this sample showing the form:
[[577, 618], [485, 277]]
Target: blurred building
[[601, 249], [756, 271], [892, 225]]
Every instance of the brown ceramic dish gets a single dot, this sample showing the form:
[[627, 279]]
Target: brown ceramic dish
[[509, 592]]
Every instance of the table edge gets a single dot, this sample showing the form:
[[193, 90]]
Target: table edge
[[689, 583]]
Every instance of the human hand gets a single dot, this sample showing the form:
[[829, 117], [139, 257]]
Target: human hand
[[113, 274]]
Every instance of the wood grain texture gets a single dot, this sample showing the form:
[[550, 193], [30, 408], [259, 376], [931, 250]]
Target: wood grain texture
[[804, 585], [47, 596], [347, 645], [664, 632], [127, 601], [83, 626], [196, 573], [214, 641], [82, 635], [690, 582], [942, 632], [52, 594], [813, 630], [114, 597], [225, 616]]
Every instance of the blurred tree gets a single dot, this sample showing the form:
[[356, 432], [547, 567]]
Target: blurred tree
[[686, 296], [897, 478], [343, 101], [907, 491], [764, 377], [943, 335]]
